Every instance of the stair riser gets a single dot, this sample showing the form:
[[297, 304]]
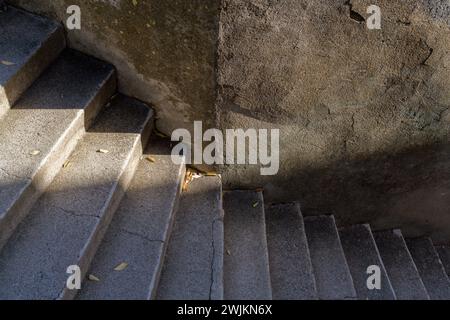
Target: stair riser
[[11, 91], [333, 277], [51, 166], [246, 267], [153, 289], [194, 261], [116, 195]]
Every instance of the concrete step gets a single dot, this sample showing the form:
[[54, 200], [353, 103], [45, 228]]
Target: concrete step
[[333, 278], [430, 268], [193, 267], [38, 134], [28, 44], [361, 252], [246, 261], [139, 232], [444, 255], [69, 220], [290, 263], [400, 267]]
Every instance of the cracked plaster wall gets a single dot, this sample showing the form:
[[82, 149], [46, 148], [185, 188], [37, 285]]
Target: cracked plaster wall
[[363, 114]]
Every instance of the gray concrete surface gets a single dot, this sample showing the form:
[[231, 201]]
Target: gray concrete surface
[[50, 118], [246, 260], [361, 252], [139, 232], [291, 270], [69, 220], [28, 44], [400, 266], [333, 278], [430, 268], [444, 255], [193, 266]]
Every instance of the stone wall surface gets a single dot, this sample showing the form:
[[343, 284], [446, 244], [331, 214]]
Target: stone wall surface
[[363, 114]]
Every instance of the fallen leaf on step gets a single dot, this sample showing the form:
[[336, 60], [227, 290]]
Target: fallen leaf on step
[[35, 152], [8, 63], [66, 164], [91, 277], [254, 205], [190, 175], [150, 159], [102, 151], [122, 266]]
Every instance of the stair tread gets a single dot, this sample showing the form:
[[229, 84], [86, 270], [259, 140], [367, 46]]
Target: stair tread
[[400, 267], [430, 268], [246, 262], [193, 267], [361, 252], [49, 118], [291, 271], [333, 278], [28, 43], [68, 221], [139, 231]]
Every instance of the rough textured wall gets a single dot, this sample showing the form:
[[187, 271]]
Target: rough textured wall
[[356, 107], [164, 50]]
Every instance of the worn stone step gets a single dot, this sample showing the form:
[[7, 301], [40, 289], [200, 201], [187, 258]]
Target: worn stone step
[[430, 268], [193, 267], [28, 44], [333, 278], [444, 255], [361, 252], [291, 271], [246, 261], [139, 232], [38, 134], [400, 267], [69, 220]]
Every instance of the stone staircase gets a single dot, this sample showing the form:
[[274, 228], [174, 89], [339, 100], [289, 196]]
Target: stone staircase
[[83, 181]]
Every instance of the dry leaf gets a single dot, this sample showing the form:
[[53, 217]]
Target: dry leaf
[[35, 152], [8, 63], [211, 174], [151, 159], [91, 277], [66, 164], [228, 252], [135, 2], [102, 151], [122, 266], [255, 204], [189, 177]]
